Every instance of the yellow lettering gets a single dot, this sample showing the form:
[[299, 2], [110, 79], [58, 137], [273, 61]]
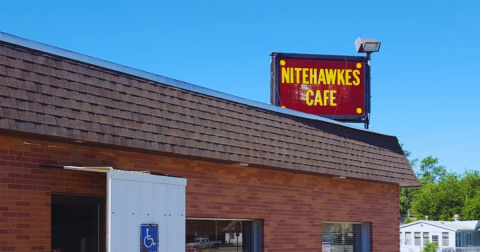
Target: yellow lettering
[[348, 76], [322, 98], [330, 76], [325, 96], [305, 76], [341, 79], [318, 98], [285, 75], [307, 97], [321, 76], [313, 76], [356, 72], [297, 72], [332, 98], [291, 74]]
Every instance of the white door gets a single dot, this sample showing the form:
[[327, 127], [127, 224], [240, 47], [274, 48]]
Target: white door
[[145, 210]]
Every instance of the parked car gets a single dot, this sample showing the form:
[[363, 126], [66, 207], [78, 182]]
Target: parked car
[[205, 243]]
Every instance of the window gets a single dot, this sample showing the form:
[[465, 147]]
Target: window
[[445, 239], [435, 239], [425, 237], [457, 241], [468, 239], [408, 238], [205, 235], [343, 236], [417, 239]]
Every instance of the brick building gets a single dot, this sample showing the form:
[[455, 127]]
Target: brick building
[[299, 179]]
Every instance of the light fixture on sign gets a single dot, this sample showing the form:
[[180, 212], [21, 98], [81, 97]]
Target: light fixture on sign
[[367, 45]]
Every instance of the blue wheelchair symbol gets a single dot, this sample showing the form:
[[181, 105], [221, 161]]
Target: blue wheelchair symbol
[[149, 237]]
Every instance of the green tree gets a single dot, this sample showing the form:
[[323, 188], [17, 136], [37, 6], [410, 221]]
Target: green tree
[[470, 187], [413, 162], [441, 194], [430, 247], [439, 201], [407, 220], [406, 196], [407, 193], [471, 210], [453, 194], [430, 170], [470, 183]]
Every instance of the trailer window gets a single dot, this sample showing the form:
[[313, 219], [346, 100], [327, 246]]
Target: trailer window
[[408, 238], [425, 237], [445, 239], [469, 239], [417, 239]]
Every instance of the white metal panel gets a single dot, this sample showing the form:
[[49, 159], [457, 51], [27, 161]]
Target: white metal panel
[[134, 199], [176, 222]]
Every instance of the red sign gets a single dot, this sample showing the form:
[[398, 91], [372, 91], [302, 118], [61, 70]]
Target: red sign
[[325, 246], [331, 86]]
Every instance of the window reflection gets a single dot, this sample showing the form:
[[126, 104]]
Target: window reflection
[[344, 237], [219, 235]]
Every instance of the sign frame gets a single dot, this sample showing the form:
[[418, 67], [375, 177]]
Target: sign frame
[[275, 81]]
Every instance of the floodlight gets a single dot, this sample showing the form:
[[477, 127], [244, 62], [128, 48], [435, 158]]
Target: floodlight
[[367, 45]]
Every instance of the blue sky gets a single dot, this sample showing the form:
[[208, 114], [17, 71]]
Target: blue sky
[[425, 79]]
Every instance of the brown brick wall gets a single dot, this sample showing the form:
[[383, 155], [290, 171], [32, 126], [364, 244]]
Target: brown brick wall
[[292, 206]]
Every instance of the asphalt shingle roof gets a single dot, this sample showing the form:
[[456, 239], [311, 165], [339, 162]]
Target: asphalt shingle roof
[[53, 95]]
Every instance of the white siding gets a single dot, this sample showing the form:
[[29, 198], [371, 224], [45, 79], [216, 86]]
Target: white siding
[[422, 228]]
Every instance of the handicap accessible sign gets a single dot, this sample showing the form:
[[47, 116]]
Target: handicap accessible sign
[[149, 238]]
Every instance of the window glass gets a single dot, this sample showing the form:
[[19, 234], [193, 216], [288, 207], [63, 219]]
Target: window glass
[[435, 239], [425, 237], [417, 239], [445, 239], [469, 239], [408, 238], [346, 237], [220, 235]]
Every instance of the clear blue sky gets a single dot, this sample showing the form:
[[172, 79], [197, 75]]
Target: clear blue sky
[[425, 79]]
